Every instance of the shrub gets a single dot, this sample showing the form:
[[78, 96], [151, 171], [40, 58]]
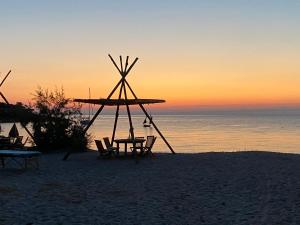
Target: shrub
[[15, 113], [57, 123]]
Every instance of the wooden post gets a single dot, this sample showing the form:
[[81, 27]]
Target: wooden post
[[121, 63], [28, 132], [5, 77], [127, 71], [154, 125], [126, 64], [116, 116], [130, 123], [111, 58], [4, 98], [2, 95], [156, 128], [129, 115]]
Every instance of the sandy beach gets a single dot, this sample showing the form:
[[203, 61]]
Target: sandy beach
[[207, 188]]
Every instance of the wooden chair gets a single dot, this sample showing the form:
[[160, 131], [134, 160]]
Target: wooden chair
[[18, 142], [138, 145], [109, 145], [147, 149], [149, 144], [104, 153]]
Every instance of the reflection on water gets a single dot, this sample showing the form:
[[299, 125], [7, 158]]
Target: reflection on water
[[201, 133]]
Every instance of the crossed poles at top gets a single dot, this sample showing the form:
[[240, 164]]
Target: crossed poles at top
[[123, 72], [7, 102], [2, 95]]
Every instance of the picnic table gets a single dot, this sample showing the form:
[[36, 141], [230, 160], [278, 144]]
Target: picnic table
[[30, 157], [127, 141]]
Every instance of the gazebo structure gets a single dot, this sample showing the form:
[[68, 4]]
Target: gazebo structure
[[123, 86], [7, 102]]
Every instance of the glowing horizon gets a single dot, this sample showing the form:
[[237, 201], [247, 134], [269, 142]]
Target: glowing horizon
[[197, 54]]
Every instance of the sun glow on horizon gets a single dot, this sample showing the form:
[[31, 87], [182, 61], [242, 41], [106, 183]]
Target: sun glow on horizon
[[200, 54]]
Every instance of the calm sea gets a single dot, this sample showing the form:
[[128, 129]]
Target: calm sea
[[203, 133]]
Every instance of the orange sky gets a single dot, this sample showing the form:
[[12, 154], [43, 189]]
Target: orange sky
[[182, 81], [199, 54]]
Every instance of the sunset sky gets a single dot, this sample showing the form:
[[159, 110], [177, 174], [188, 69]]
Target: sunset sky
[[191, 53]]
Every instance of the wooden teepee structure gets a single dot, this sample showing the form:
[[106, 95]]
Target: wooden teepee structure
[[7, 102], [1, 94], [123, 88]]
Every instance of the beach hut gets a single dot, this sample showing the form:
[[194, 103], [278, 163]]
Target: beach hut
[[14, 130], [123, 88]]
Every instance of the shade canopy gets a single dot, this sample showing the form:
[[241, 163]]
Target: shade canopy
[[121, 101]]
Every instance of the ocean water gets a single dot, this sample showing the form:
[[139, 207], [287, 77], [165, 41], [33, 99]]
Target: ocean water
[[206, 133]]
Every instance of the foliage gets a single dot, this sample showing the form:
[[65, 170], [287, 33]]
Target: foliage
[[16, 113], [57, 124]]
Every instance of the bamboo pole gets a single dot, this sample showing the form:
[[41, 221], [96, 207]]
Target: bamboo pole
[[4, 98], [116, 116], [156, 128], [130, 123], [130, 67], [29, 133], [129, 115], [5, 77], [111, 58], [2, 95], [121, 63], [126, 64], [154, 125]]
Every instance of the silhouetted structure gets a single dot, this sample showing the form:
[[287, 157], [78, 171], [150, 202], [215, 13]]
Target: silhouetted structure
[[2, 95], [13, 131], [123, 86], [6, 101]]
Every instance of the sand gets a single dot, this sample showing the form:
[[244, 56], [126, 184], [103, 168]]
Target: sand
[[208, 188]]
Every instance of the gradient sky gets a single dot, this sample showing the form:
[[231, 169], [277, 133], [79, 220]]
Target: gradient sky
[[192, 53]]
